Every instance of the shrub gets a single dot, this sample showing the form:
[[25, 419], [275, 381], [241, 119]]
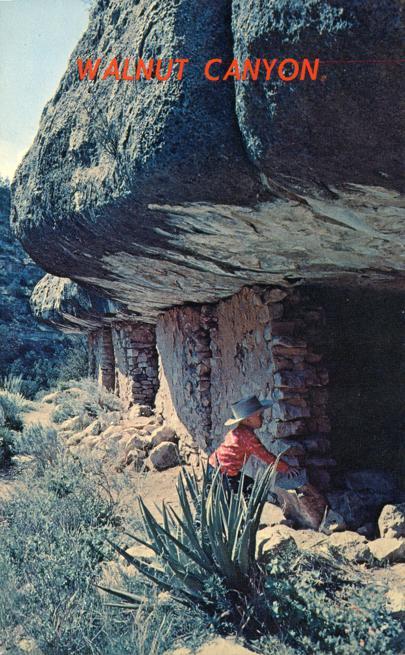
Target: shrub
[[13, 405], [52, 543], [7, 445], [209, 552], [85, 398], [50, 547], [207, 557]]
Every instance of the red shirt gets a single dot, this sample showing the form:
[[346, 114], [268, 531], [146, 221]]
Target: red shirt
[[238, 446]]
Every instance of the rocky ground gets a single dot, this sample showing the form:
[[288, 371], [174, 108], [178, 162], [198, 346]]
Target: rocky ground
[[137, 449]]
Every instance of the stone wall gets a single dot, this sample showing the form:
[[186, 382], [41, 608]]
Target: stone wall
[[136, 363], [184, 396], [101, 357], [123, 358], [260, 341]]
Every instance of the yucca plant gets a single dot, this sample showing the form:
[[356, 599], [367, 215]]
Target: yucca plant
[[206, 554]]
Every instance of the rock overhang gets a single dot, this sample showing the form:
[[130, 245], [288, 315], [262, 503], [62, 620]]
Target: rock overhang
[[187, 191]]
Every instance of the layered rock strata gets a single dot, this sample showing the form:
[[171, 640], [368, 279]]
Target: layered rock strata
[[161, 194]]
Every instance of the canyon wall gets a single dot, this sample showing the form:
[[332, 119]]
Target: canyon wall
[[187, 221]]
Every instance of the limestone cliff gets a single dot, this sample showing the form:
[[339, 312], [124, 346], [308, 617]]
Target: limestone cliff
[[158, 194]]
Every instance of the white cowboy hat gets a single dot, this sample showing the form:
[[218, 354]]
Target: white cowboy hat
[[246, 407]]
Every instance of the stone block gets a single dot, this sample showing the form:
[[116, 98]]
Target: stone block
[[391, 522], [290, 429], [164, 456], [352, 546], [162, 434], [388, 550], [275, 541]]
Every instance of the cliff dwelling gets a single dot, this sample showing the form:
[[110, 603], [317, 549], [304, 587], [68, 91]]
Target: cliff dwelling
[[220, 240]]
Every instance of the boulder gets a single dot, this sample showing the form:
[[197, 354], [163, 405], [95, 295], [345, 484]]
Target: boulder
[[388, 550], [2, 417], [305, 506], [162, 434], [164, 456], [275, 541], [139, 410], [273, 515], [351, 545], [396, 602], [311, 540], [356, 507], [391, 522], [146, 165], [333, 522]]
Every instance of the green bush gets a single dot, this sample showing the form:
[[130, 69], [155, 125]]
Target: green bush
[[12, 406], [206, 557], [52, 545], [7, 445], [85, 398]]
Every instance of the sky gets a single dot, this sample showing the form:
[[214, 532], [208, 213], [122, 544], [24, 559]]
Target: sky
[[36, 40]]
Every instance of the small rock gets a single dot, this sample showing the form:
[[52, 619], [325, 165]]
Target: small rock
[[29, 646], [142, 421], [142, 552], [388, 550], [273, 515], [351, 545], [334, 522], [111, 430], [164, 456], [218, 646], [162, 434], [396, 602], [391, 523], [139, 410], [51, 397], [135, 458], [275, 541], [73, 423]]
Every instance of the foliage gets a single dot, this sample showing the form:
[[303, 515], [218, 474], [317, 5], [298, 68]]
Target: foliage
[[12, 405], [209, 551], [7, 445], [86, 397], [52, 544], [316, 609], [206, 557]]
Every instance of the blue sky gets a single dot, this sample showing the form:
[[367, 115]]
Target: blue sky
[[36, 39]]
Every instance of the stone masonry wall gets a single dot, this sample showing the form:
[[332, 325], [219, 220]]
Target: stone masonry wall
[[124, 359], [102, 365], [136, 363], [260, 341], [184, 396]]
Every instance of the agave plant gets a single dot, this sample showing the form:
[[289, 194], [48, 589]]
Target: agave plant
[[212, 539]]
